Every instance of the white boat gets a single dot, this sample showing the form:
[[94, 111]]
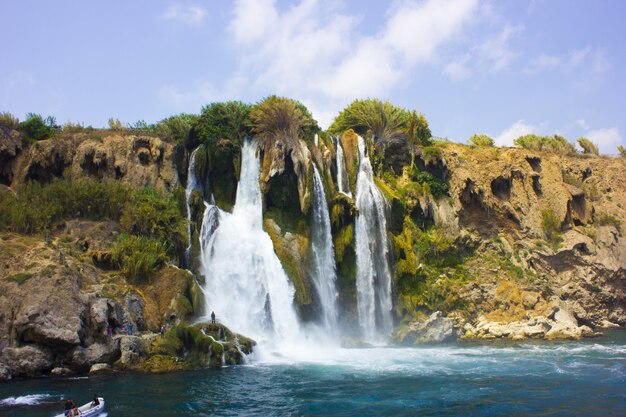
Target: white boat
[[87, 410]]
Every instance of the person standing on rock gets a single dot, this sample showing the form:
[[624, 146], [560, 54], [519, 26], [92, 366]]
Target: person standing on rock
[[163, 330], [213, 317], [110, 330]]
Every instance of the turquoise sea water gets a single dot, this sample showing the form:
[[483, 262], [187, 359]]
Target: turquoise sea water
[[586, 378]]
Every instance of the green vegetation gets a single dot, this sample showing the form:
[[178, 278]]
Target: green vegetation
[[430, 183], [20, 278], [382, 119], [588, 146], [275, 116], [480, 140], [9, 121], [554, 144], [152, 214], [622, 151], [228, 120], [145, 213], [606, 219], [35, 127], [138, 257], [417, 133], [551, 228]]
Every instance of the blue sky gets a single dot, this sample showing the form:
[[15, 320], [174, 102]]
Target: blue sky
[[504, 68]]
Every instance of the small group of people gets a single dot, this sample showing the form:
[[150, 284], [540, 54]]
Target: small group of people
[[72, 410]]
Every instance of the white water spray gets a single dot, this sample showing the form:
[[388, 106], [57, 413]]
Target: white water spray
[[373, 272], [343, 185], [192, 184], [324, 274], [246, 285]]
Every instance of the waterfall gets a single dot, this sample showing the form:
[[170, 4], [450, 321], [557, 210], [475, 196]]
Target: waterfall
[[246, 285], [192, 184], [343, 185], [324, 275], [316, 140], [373, 272]]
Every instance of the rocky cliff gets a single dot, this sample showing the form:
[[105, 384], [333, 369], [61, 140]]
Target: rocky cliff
[[487, 243]]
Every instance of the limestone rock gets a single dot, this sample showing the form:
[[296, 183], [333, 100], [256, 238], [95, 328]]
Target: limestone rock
[[61, 371], [10, 147], [83, 358], [28, 360], [435, 329], [5, 372], [132, 347], [99, 367]]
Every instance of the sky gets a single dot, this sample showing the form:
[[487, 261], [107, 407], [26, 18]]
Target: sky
[[503, 68]]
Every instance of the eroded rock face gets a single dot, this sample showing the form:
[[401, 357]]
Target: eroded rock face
[[283, 158], [135, 160], [435, 329], [10, 147], [28, 360]]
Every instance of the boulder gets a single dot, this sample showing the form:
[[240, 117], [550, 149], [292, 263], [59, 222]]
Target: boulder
[[83, 358], [435, 329], [131, 347], [60, 371], [28, 360], [99, 367], [5, 372]]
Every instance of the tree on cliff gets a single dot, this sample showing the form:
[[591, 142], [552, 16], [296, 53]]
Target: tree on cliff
[[35, 127], [276, 116], [224, 120], [622, 151], [384, 120], [555, 144], [588, 146], [417, 133], [480, 140]]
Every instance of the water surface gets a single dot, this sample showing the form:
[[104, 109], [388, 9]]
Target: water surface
[[586, 378]]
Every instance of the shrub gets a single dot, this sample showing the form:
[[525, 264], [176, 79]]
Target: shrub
[[588, 146], [555, 144], [551, 228], [152, 214], [384, 120], [115, 124], [222, 121], [138, 257], [417, 133], [622, 151], [35, 127], [480, 140], [275, 116], [605, 219], [176, 128], [429, 183], [9, 121]]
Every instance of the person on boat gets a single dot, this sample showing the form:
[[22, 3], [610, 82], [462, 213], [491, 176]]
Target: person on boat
[[213, 317], [69, 405], [76, 411], [95, 402]]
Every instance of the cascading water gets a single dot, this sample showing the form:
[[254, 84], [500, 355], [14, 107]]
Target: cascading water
[[192, 184], [342, 175], [373, 272], [246, 285], [324, 274]]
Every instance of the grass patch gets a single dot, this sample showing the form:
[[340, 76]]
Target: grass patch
[[20, 278]]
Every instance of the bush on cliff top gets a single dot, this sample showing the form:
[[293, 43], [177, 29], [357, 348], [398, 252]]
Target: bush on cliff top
[[384, 120], [555, 144], [279, 116], [480, 140], [225, 120]]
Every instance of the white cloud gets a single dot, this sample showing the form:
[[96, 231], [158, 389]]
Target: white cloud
[[316, 53], [201, 93], [607, 139], [517, 129], [583, 124], [186, 14], [493, 54], [589, 59]]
